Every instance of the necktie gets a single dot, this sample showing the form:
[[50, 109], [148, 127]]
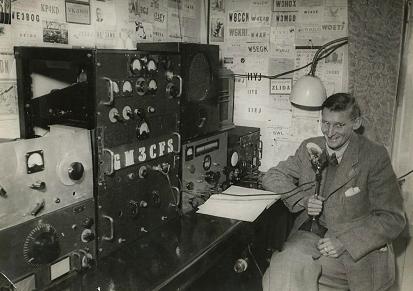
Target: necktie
[[333, 160]]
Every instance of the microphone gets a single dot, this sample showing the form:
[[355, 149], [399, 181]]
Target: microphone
[[318, 157]]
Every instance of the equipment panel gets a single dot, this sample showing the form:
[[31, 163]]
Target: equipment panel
[[203, 165], [137, 95], [43, 175], [244, 153], [136, 200], [49, 248]]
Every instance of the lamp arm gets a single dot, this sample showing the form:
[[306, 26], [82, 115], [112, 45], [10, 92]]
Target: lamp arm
[[321, 49]]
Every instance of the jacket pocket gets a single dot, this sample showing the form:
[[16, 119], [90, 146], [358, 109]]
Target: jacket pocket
[[383, 268], [356, 205]]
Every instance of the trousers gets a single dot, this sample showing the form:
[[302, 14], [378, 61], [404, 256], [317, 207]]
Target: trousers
[[295, 269]]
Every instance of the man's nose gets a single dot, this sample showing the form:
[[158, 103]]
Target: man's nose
[[330, 130]]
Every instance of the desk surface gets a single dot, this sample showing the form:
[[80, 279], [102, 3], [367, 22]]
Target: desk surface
[[172, 256]]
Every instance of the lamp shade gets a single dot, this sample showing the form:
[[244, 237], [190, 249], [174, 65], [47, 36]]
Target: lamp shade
[[308, 91]]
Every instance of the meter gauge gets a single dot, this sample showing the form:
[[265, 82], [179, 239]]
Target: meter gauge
[[34, 162], [207, 162], [136, 66], [127, 87], [152, 86], [234, 159], [151, 65]]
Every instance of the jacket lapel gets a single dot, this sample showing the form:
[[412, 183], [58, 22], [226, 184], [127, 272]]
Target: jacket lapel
[[348, 167]]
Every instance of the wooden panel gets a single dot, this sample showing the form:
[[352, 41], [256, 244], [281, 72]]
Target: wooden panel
[[375, 39]]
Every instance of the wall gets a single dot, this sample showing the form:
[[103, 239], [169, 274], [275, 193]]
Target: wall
[[265, 37], [375, 41], [403, 140], [114, 24]]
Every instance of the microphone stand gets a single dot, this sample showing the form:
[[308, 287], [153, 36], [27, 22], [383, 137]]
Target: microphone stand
[[312, 224]]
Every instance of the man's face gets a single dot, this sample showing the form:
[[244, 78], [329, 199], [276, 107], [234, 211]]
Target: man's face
[[337, 127]]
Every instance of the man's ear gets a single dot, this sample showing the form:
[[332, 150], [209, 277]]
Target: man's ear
[[357, 123]]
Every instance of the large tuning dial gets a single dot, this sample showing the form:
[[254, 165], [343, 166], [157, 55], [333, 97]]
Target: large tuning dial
[[41, 245]]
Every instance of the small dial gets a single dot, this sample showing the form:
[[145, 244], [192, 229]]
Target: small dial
[[234, 159], [141, 86], [127, 113], [152, 86], [127, 87], [114, 115], [136, 66], [115, 87], [151, 66], [171, 90], [207, 162]]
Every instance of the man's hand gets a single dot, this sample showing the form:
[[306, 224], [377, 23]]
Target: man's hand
[[315, 205], [330, 247]]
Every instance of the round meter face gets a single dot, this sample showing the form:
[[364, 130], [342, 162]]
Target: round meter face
[[234, 159]]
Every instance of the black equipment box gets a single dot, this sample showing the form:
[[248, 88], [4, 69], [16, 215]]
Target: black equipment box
[[199, 101]]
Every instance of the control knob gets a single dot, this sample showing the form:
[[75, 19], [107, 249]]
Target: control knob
[[76, 171], [171, 90]]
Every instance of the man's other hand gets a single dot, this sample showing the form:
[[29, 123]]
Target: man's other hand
[[330, 247], [315, 205]]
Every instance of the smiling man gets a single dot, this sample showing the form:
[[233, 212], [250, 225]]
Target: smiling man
[[359, 207]]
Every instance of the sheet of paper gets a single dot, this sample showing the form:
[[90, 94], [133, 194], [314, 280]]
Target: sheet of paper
[[238, 205]]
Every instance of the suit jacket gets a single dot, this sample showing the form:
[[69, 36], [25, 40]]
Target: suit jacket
[[364, 206]]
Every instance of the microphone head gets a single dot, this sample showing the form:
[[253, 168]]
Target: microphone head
[[318, 157], [314, 150]]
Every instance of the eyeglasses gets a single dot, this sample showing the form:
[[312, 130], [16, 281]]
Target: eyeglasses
[[336, 126]]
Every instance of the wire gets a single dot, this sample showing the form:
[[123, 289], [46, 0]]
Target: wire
[[323, 54], [255, 261], [271, 194], [408, 173], [320, 50]]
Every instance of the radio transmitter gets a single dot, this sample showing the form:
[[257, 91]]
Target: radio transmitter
[[47, 225], [203, 164], [130, 101], [244, 153]]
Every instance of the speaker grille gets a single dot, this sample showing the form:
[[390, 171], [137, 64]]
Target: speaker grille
[[199, 78]]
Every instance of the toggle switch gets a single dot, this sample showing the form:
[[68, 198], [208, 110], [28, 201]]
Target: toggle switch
[[37, 208], [38, 185]]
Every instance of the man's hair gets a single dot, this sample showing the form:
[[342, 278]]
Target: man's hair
[[342, 102]]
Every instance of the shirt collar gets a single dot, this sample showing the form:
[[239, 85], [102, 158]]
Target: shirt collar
[[340, 152]]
